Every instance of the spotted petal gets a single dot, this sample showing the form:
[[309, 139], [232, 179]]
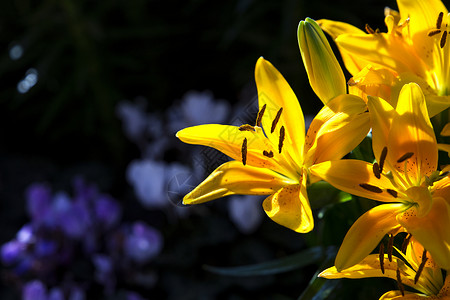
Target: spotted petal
[[290, 207], [234, 178], [366, 233]]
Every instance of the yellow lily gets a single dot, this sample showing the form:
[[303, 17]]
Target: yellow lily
[[416, 269], [273, 157], [415, 49], [406, 178]]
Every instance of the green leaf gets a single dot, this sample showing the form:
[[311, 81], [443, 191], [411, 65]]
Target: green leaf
[[322, 194], [285, 264]]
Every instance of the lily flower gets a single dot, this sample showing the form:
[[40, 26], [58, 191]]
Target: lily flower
[[415, 268], [405, 178], [414, 49], [273, 156]]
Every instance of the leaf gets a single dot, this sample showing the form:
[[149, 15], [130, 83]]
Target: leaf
[[285, 264], [322, 194]]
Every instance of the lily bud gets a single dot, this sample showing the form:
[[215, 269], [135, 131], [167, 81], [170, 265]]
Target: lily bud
[[324, 72]]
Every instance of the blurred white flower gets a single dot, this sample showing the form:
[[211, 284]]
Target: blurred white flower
[[134, 119], [245, 212]]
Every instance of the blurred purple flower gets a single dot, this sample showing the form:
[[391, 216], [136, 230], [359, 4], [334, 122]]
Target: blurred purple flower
[[197, 108], [107, 211], [45, 248], [133, 118], [104, 270], [245, 212], [34, 290], [143, 243], [12, 252], [55, 294], [77, 294], [38, 198]]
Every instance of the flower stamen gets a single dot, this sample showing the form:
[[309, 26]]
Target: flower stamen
[[371, 188], [244, 151], [246, 127], [393, 193], [390, 246], [383, 158], [369, 29], [381, 257], [269, 154], [260, 115], [405, 243], [275, 121], [280, 141], [376, 170], [422, 265], [405, 156]]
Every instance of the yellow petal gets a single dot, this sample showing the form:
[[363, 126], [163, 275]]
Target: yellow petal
[[290, 207], [275, 93], [229, 140], [353, 63], [412, 132], [431, 230], [446, 130], [234, 178], [348, 175], [397, 295], [324, 72], [444, 147], [370, 267], [381, 115], [366, 233], [374, 82], [337, 129]]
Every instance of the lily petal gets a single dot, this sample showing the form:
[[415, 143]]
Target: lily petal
[[290, 207], [234, 178], [348, 175], [431, 230], [366, 233], [275, 93], [337, 129], [397, 295], [412, 132]]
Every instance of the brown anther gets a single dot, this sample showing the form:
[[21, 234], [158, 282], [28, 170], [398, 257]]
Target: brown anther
[[281, 140], [405, 243], [439, 20], [260, 115], [390, 247], [381, 257], [383, 158], [268, 153], [443, 39], [244, 151], [371, 188], [275, 121], [405, 157], [434, 32], [246, 127], [376, 170], [393, 193], [369, 29], [399, 283], [422, 265]]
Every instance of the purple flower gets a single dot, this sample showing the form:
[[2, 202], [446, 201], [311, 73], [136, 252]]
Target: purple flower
[[104, 267], [143, 243], [38, 201], [45, 248], [107, 211], [55, 294], [34, 290], [12, 251]]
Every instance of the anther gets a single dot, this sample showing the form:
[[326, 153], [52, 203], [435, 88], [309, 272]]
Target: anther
[[244, 151], [383, 158], [399, 283], [439, 20], [376, 170], [405, 243], [390, 247], [280, 141], [405, 157], [260, 115], [246, 127], [434, 32], [268, 154], [443, 39], [371, 188], [393, 193], [381, 257], [275, 121], [369, 29], [422, 265]]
